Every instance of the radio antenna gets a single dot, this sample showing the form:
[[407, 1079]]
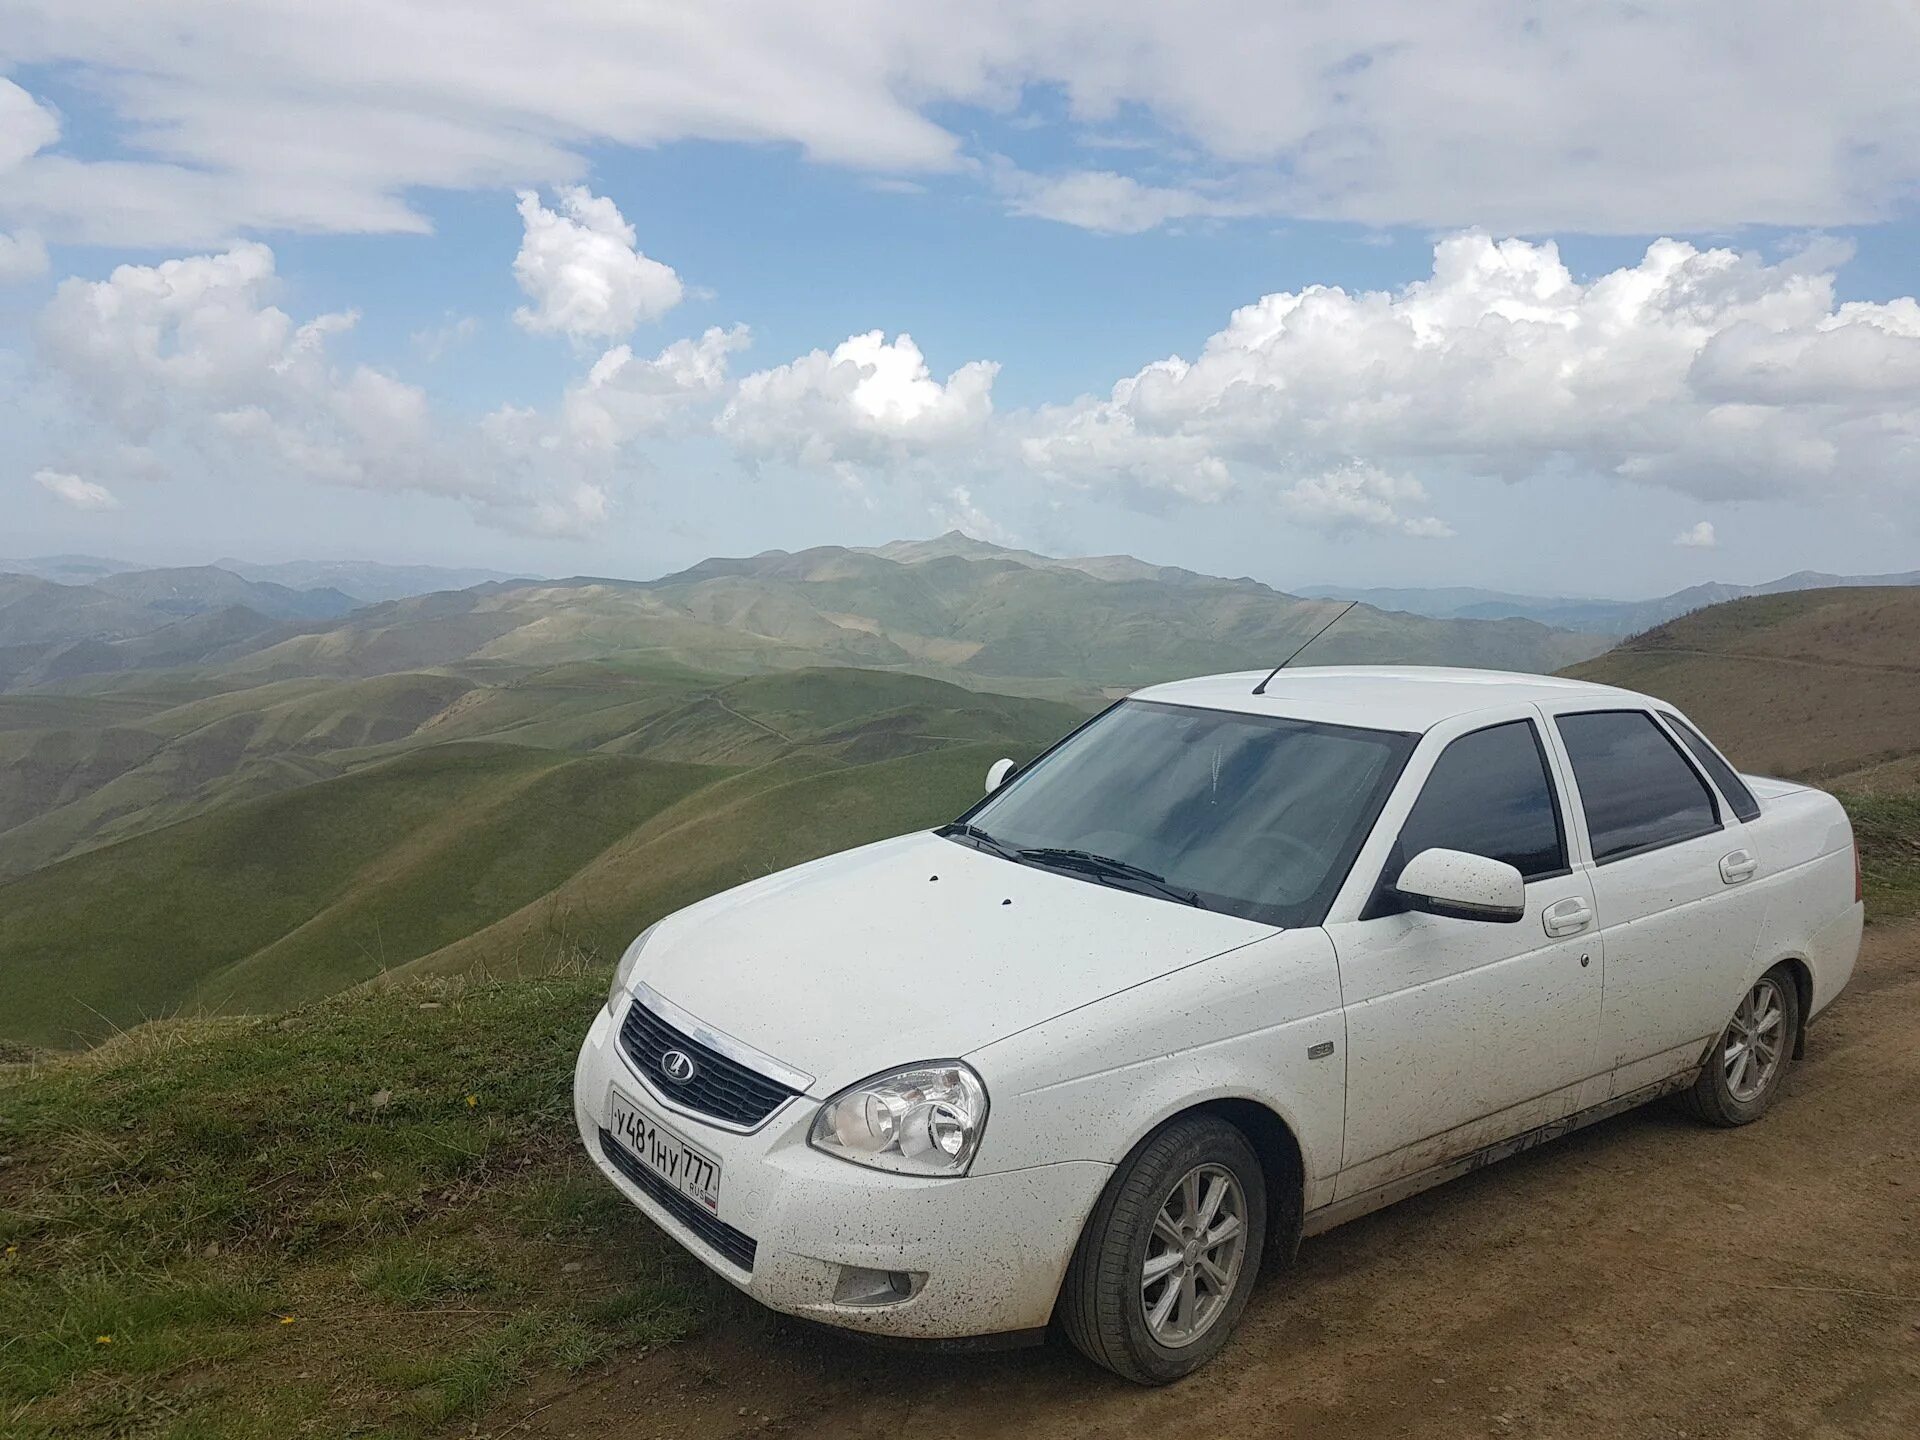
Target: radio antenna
[[1261, 688]]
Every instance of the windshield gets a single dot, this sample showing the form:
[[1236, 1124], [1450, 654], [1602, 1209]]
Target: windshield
[[1252, 815]]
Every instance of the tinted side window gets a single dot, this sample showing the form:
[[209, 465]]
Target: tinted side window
[[1489, 795], [1638, 791], [1731, 785]]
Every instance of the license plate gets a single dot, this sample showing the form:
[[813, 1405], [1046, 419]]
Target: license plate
[[683, 1165]]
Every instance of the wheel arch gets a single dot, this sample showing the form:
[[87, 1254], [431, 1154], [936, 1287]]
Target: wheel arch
[[1283, 1160]]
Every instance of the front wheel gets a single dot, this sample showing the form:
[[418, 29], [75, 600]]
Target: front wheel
[[1169, 1255], [1743, 1074]]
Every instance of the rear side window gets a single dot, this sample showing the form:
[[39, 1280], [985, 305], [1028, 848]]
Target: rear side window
[[1731, 785], [1489, 795], [1639, 792]]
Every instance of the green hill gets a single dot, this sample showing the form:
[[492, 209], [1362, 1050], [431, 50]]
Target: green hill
[[66, 785], [196, 589], [516, 826], [269, 902], [974, 614]]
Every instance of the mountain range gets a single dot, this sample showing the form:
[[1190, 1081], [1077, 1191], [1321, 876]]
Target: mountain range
[[363, 580], [952, 608]]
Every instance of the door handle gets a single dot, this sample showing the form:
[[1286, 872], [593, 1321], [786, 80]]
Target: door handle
[[1567, 917], [1737, 866]]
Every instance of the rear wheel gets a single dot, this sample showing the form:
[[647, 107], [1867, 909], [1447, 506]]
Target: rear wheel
[[1743, 1074], [1169, 1255]]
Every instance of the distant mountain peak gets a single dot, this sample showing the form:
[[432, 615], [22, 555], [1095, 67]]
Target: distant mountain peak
[[958, 544]]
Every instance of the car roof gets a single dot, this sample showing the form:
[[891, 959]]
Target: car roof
[[1382, 697]]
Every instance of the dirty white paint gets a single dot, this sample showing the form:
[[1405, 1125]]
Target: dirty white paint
[[1398, 1050], [1455, 1021], [993, 1248], [864, 961], [1240, 1025]]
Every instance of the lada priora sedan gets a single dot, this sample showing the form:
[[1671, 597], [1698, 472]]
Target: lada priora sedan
[[1224, 968]]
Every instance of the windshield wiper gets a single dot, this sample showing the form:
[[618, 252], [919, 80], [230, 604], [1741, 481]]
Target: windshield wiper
[[1108, 867], [993, 845]]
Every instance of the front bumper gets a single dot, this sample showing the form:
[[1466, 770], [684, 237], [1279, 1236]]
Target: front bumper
[[987, 1252]]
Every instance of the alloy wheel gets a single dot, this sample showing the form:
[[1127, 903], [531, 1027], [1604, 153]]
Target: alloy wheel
[[1194, 1255], [1756, 1042]]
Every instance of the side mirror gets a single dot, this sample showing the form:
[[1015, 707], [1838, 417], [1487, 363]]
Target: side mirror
[[997, 774], [1464, 887]]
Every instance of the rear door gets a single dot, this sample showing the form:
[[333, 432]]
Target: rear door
[[1461, 1033], [1670, 864]]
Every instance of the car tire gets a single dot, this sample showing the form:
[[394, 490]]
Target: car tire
[[1109, 1301], [1764, 1029]]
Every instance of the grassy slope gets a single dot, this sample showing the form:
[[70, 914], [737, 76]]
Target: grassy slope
[[166, 749], [280, 899], [366, 1219], [621, 795], [1819, 685], [65, 787]]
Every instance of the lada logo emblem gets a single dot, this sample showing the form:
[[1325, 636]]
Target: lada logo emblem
[[679, 1066]]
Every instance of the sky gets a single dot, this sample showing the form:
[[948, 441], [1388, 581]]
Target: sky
[[1589, 298]]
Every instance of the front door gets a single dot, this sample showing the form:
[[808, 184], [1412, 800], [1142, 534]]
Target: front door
[[1461, 1033]]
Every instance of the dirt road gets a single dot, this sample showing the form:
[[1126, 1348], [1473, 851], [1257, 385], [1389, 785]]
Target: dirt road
[[1648, 1277]]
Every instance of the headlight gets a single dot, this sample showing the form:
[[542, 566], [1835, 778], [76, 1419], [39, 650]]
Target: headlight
[[623, 972], [923, 1120]]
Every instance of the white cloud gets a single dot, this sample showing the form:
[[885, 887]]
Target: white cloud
[[1105, 201], [76, 492], [623, 397], [1361, 497], [263, 114], [1092, 444], [1698, 536], [196, 332], [191, 358], [26, 126], [583, 269], [23, 256], [1707, 372], [872, 404]]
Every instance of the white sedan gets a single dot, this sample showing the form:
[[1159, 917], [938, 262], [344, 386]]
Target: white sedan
[[1220, 970]]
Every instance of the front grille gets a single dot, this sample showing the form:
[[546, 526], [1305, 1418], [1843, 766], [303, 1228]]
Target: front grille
[[720, 1087], [736, 1245]]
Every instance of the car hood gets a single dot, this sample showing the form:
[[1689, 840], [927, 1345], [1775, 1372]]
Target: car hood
[[916, 948]]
